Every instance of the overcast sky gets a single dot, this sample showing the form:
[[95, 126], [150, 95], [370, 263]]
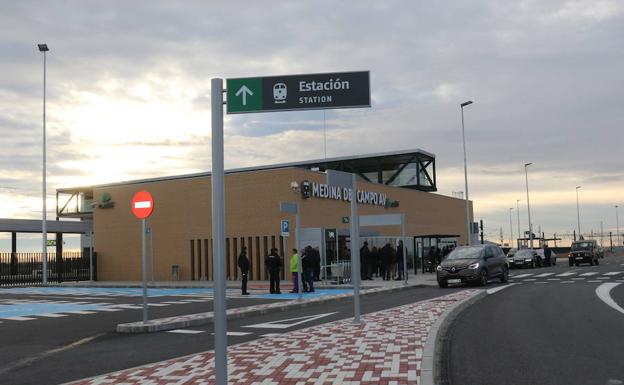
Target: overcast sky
[[129, 95]]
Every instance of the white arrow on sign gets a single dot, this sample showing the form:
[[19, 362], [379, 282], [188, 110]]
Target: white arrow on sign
[[245, 91], [287, 323]]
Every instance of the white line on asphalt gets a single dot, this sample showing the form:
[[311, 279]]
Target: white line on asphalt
[[588, 274], [290, 322], [522, 275], [79, 312], [544, 275], [553, 279], [537, 283], [566, 274], [271, 335], [567, 281], [604, 293], [603, 278], [578, 278], [499, 288], [530, 279], [52, 315], [18, 318], [238, 334], [185, 331], [174, 302], [594, 281], [158, 304], [613, 273]]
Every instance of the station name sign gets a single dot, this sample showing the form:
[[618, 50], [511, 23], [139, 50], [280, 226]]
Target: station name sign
[[324, 191], [297, 92]]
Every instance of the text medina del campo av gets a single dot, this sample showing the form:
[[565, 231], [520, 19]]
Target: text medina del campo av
[[322, 190]]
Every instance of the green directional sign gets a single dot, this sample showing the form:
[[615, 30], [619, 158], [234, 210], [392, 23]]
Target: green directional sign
[[51, 242], [298, 92]]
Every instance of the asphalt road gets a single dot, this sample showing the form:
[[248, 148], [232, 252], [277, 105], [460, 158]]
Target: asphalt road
[[543, 329], [58, 350]]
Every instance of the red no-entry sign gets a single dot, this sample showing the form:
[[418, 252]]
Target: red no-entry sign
[[142, 204]]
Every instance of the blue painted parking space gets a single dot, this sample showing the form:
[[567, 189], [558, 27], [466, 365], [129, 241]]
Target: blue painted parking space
[[10, 311], [106, 291], [315, 294]]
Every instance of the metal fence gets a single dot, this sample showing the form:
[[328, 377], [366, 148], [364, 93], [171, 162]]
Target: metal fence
[[26, 269]]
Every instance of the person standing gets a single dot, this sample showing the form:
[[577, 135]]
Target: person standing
[[547, 255], [243, 265], [307, 262], [294, 270], [364, 262], [273, 263], [399, 259], [386, 261], [316, 260], [376, 266]]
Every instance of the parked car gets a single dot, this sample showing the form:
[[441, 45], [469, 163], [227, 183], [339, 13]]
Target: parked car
[[473, 264], [526, 258], [510, 255], [584, 252]]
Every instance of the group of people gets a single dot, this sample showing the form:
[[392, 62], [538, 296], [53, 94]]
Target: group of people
[[310, 267], [385, 262]]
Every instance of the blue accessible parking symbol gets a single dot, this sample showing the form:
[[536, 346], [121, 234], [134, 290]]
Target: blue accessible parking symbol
[[285, 228]]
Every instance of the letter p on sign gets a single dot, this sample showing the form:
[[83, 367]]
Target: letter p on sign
[[142, 204]]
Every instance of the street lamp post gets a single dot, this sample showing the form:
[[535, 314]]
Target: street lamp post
[[578, 215], [617, 226], [518, 212], [526, 177], [466, 172], [510, 228], [44, 48]]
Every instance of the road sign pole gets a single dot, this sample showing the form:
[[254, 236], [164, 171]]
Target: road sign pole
[[151, 236], [404, 251], [218, 232], [355, 252], [298, 245], [143, 259]]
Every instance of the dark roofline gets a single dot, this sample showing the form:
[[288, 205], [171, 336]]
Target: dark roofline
[[248, 169]]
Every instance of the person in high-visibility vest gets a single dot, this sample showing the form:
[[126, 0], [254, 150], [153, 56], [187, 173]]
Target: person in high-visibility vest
[[294, 270]]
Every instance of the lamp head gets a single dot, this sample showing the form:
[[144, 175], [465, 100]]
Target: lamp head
[[464, 104], [43, 47], [578, 187], [527, 164]]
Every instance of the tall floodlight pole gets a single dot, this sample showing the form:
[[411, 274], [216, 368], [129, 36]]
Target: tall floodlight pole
[[510, 228], [218, 233], [617, 226], [44, 232], [578, 215], [518, 212], [526, 177], [466, 171]]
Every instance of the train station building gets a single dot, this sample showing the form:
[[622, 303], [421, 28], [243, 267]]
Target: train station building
[[402, 182]]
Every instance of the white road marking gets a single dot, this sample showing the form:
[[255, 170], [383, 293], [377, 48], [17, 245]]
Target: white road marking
[[553, 279], [566, 274], [588, 274], [530, 279], [614, 273], [544, 275], [238, 334], [52, 315], [157, 304], [604, 293], [567, 281], [522, 275], [185, 331], [499, 288], [174, 302], [79, 312], [18, 318], [537, 283], [287, 323], [271, 335]]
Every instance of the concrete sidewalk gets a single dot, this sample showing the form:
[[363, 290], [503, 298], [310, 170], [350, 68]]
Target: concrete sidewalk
[[427, 279], [388, 347]]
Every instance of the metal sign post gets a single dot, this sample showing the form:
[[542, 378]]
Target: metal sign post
[[150, 230], [142, 206], [355, 252], [218, 232], [91, 257], [293, 208]]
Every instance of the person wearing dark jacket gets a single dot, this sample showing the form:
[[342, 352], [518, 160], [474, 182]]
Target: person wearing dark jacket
[[547, 255], [273, 264], [307, 263], [364, 262], [243, 265], [399, 259], [386, 261], [317, 264]]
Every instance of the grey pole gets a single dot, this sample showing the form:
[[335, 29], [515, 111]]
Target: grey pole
[[44, 233], [466, 173], [151, 237], [144, 263], [510, 228], [617, 226], [518, 212], [91, 257], [526, 176], [218, 232], [578, 214], [404, 248], [355, 252], [298, 246]]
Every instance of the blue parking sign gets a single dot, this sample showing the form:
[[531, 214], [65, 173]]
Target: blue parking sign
[[285, 228]]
